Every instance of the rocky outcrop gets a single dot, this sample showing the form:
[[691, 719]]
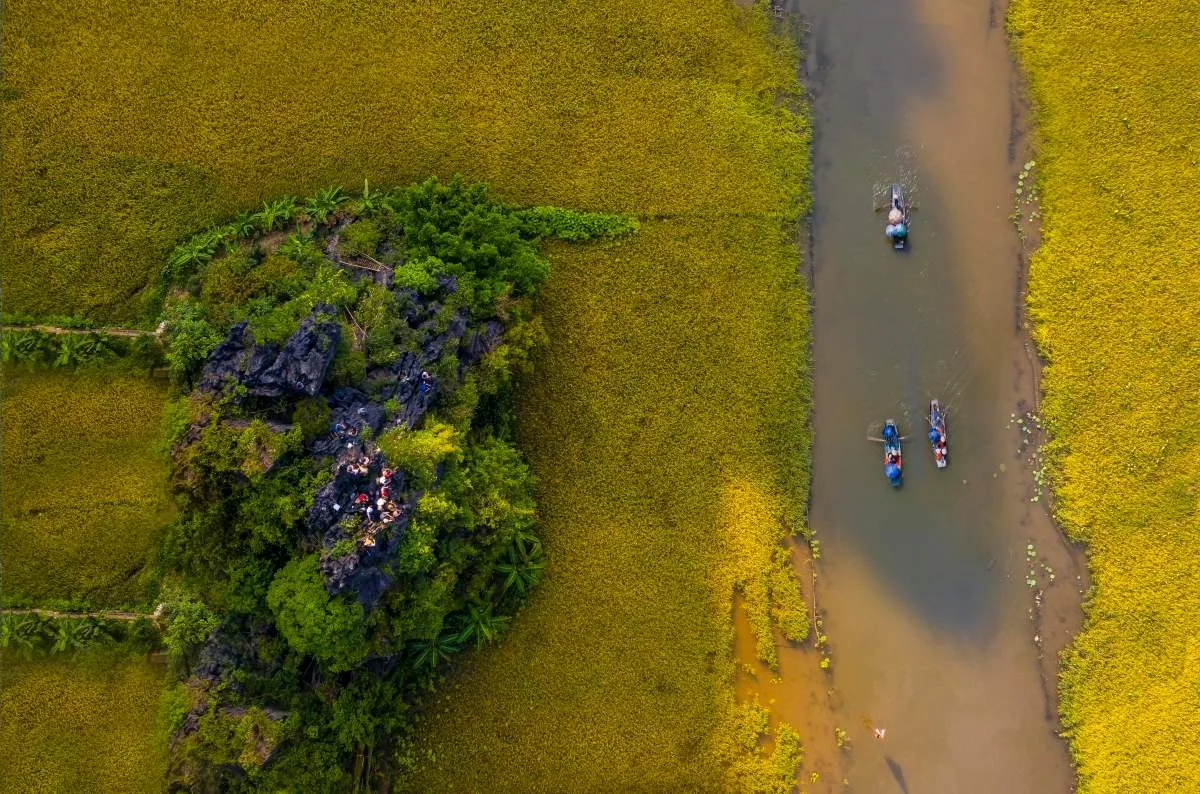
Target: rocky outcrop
[[362, 514], [367, 506], [266, 370]]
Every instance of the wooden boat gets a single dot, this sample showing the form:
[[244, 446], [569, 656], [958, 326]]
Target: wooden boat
[[893, 460], [897, 233], [938, 439]]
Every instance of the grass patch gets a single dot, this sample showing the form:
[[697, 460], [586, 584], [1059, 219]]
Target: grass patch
[[82, 723], [84, 497], [1115, 293]]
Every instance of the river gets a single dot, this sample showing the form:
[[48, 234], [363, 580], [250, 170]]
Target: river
[[932, 625]]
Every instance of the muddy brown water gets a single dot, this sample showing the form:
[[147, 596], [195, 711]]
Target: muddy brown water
[[934, 632]]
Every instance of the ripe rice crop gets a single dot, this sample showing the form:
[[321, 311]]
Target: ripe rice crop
[[1115, 293], [84, 498]]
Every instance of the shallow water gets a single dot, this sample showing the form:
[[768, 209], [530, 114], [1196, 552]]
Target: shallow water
[[923, 590]]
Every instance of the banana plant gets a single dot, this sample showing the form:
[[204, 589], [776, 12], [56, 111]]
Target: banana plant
[[32, 347], [244, 223], [190, 255], [67, 636], [321, 207], [275, 214], [73, 349], [371, 201]]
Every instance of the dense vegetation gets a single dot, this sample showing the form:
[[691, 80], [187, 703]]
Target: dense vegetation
[[353, 509], [84, 501], [83, 722], [668, 415], [1115, 293]]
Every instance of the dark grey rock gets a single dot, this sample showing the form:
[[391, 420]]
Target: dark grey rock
[[298, 369]]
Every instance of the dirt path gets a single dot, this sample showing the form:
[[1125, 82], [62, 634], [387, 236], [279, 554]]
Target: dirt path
[[58, 329], [102, 614]]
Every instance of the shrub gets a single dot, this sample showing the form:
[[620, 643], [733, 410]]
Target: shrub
[[190, 624], [420, 452], [329, 628], [190, 340], [576, 226], [360, 238]]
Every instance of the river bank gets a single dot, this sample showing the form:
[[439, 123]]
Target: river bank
[[943, 603]]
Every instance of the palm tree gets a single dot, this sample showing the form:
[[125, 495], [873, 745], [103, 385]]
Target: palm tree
[[522, 565], [322, 206], [429, 653], [481, 624]]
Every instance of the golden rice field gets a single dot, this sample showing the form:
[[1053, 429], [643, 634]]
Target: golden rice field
[[667, 419], [84, 498], [80, 723], [653, 512], [1115, 292], [128, 126]]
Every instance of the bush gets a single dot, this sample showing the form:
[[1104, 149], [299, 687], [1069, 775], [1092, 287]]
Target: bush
[[420, 452], [189, 626], [329, 628], [360, 238], [190, 340], [576, 226]]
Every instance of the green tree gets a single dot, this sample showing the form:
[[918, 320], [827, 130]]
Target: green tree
[[329, 628], [419, 452], [190, 339], [191, 624]]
